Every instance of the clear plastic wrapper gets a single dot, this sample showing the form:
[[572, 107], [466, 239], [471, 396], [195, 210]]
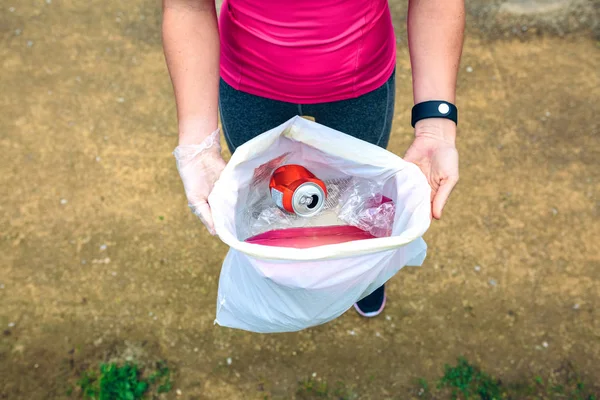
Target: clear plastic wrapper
[[363, 205]]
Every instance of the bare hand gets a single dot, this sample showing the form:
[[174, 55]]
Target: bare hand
[[434, 152]]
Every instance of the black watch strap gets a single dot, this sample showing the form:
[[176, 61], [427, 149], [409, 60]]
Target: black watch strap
[[434, 109]]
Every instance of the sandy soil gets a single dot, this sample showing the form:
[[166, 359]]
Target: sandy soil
[[100, 256]]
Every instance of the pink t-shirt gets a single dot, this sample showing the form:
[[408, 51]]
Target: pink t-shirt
[[306, 51]]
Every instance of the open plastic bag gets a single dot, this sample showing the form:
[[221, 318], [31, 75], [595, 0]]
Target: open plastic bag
[[266, 288]]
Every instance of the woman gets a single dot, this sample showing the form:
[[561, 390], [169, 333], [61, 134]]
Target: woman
[[267, 61]]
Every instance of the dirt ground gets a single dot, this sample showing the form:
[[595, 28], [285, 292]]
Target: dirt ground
[[100, 256]]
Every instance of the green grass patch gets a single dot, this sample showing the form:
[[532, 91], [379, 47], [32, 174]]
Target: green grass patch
[[469, 382], [465, 381], [124, 382]]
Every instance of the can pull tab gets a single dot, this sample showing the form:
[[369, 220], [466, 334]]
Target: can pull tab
[[310, 201]]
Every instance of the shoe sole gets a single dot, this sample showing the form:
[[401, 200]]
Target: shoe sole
[[372, 313]]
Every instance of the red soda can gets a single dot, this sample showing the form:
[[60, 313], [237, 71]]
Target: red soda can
[[296, 190]]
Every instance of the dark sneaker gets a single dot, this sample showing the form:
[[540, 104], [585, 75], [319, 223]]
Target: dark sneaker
[[373, 304]]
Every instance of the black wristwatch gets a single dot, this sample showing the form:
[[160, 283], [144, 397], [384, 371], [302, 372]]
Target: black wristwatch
[[434, 109]]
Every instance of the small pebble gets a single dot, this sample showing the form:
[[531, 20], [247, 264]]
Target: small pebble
[[179, 392], [150, 314], [11, 324], [388, 318], [352, 333], [18, 32], [575, 306], [524, 28], [121, 100], [11, 9], [1, 285], [83, 262], [48, 1], [469, 69], [493, 282], [314, 374], [113, 273], [118, 19], [195, 349], [155, 318], [229, 361], [63, 201], [547, 113], [29, 43], [103, 247], [554, 211], [98, 158], [105, 137], [35, 365], [477, 268], [545, 344], [377, 334]]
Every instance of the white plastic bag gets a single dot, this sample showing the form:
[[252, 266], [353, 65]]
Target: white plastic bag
[[276, 289]]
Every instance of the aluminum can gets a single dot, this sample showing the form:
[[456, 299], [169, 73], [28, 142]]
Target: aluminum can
[[297, 190]]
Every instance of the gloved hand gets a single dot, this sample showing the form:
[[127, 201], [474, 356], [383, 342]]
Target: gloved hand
[[200, 165]]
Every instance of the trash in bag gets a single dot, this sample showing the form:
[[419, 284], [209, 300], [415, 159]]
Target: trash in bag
[[339, 201], [298, 191], [284, 272]]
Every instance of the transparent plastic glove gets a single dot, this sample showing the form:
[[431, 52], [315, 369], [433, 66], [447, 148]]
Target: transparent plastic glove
[[200, 165]]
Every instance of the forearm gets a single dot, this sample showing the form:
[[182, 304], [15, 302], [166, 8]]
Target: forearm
[[191, 46], [435, 39]]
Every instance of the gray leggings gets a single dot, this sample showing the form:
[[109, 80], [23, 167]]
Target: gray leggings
[[367, 117]]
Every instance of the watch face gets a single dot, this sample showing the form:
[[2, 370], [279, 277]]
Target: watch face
[[444, 108]]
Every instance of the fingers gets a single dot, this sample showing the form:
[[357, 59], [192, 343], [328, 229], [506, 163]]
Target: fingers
[[441, 196], [202, 211]]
